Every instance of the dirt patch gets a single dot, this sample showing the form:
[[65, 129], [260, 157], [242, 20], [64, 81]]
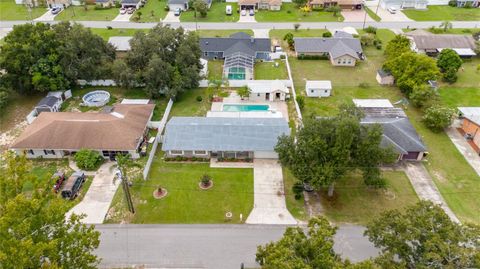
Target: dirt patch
[[439, 176], [8, 137]]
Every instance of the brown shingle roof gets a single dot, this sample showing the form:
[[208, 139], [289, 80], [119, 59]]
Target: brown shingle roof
[[119, 130], [430, 41]]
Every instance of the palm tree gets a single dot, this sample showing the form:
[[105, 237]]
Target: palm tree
[[446, 25]]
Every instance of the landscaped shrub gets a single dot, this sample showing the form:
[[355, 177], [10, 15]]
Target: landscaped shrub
[[378, 46], [199, 98], [452, 3], [300, 101], [109, 27], [88, 159], [371, 30], [166, 8], [282, 56], [206, 180], [438, 117], [313, 57], [327, 34]]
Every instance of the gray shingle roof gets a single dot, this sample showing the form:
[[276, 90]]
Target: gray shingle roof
[[49, 101], [223, 134], [336, 46], [431, 41], [177, 2], [130, 1], [238, 42]]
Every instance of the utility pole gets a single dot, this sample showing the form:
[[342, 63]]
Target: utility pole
[[121, 160], [365, 17]]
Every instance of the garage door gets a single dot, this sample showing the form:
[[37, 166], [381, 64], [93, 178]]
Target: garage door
[[265, 155], [411, 156]]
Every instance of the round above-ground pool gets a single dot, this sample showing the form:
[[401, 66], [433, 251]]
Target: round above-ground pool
[[96, 98]]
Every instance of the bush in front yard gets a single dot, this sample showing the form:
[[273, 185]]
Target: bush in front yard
[[438, 117], [88, 159]]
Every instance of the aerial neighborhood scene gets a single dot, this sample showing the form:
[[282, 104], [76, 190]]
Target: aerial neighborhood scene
[[271, 134]]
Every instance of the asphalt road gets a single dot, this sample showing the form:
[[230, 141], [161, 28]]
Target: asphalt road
[[206, 246], [259, 25]]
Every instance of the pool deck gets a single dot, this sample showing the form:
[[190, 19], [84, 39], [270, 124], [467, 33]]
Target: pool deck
[[279, 106]]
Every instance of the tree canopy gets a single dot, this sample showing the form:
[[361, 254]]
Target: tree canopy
[[166, 61], [397, 46], [33, 229]]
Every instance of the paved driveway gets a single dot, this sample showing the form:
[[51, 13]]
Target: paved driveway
[[387, 16], [124, 17], [170, 17], [97, 200], [462, 145], [425, 187], [356, 16], [269, 199], [48, 16], [247, 18]]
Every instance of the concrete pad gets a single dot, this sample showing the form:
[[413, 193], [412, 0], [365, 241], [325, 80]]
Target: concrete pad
[[465, 149], [247, 18], [97, 200], [261, 33], [170, 17], [269, 198], [387, 16], [124, 17], [425, 187], [48, 16], [356, 16]]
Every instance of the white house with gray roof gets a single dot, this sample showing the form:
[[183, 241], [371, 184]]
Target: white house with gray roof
[[218, 137], [183, 4], [342, 49]]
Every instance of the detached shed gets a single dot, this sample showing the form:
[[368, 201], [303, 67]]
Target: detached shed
[[385, 77], [318, 88]]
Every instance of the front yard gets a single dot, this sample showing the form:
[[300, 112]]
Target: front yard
[[232, 191], [10, 11], [222, 33], [270, 70], [443, 13], [107, 33], [216, 13], [78, 13], [153, 11], [291, 13]]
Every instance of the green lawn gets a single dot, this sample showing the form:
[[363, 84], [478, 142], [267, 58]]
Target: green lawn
[[277, 35], [454, 97], [354, 202], [444, 13], [455, 31], [9, 11], [296, 207], [78, 13], [107, 33], [268, 70], [216, 13], [215, 69], [232, 191], [222, 33], [153, 11], [290, 13], [372, 14], [186, 104]]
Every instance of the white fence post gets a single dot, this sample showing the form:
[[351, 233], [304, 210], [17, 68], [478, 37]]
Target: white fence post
[[297, 108]]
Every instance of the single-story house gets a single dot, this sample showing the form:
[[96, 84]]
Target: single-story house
[[229, 137], [342, 49], [384, 77], [260, 4], [105, 3], [183, 4], [471, 124], [398, 133], [131, 3], [407, 4], [344, 4], [58, 3], [318, 88], [472, 3], [239, 52], [121, 44], [432, 44], [267, 90], [122, 129], [50, 103]]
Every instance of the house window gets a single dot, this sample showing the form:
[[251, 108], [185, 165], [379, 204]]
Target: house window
[[312, 90], [205, 53], [339, 61], [258, 94], [344, 61], [30, 151], [200, 152], [326, 91], [176, 152]]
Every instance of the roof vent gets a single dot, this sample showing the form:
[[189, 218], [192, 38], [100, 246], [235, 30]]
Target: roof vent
[[206, 42]]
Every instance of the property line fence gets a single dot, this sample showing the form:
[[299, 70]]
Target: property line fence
[[161, 126], [242, 83], [297, 108]]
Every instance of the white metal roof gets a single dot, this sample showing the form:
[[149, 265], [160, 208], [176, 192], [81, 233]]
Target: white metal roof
[[135, 101], [267, 86], [471, 113], [248, 114], [121, 43], [319, 84], [372, 103]]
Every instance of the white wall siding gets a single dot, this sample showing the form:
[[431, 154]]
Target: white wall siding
[[265, 155]]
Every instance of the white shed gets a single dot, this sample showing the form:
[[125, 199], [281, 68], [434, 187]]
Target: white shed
[[318, 88]]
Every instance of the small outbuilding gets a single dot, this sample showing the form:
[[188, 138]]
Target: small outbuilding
[[318, 88], [385, 77], [50, 103], [268, 90]]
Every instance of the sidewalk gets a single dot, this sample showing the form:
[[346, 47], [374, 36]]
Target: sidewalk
[[465, 149]]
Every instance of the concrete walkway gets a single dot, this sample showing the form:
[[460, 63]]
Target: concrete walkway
[[269, 199], [97, 200], [426, 188], [465, 149]]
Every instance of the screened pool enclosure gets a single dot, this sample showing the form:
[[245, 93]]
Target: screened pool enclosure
[[238, 66]]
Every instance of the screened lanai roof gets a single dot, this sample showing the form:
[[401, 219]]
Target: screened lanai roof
[[239, 60]]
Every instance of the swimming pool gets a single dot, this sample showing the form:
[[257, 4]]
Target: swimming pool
[[243, 108]]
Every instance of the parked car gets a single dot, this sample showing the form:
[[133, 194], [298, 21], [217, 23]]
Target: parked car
[[73, 185], [123, 11], [252, 12], [392, 10], [278, 49], [177, 12], [56, 10], [130, 10], [243, 13], [228, 10], [58, 178]]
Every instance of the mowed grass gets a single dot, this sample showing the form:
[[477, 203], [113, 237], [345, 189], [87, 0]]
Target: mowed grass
[[186, 104], [232, 191], [216, 13], [10, 11], [107, 33], [78, 13], [444, 13], [153, 11], [215, 69], [222, 33], [296, 207], [291, 13], [372, 14], [354, 202], [454, 97], [270, 70]]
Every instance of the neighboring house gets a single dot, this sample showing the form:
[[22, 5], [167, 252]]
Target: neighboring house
[[344, 4], [50, 103], [121, 44], [260, 4], [406, 4], [398, 133], [122, 129], [215, 137], [384, 77], [342, 49], [472, 3], [432, 44], [183, 4], [273, 90], [105, 3], [58, 3], [471, 124], [239, 51], [131, 3], [318, 88]]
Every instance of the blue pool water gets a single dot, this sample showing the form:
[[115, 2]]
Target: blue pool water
[[243, 108]]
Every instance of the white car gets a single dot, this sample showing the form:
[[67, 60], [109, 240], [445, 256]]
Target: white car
[[392, 10], [243, 13], [228, 10], [123, 10]]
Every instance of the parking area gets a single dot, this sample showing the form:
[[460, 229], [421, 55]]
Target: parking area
[[246, 17]]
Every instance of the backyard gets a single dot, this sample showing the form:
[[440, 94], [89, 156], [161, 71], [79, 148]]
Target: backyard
[[185, 202], [78, 13], [153, 11], [270, 70], [291, 13], [444, 13], [216, 13], [10, 11], [186, 104]]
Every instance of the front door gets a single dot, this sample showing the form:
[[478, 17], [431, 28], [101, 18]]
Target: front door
[[267, 96], [277, 96]]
